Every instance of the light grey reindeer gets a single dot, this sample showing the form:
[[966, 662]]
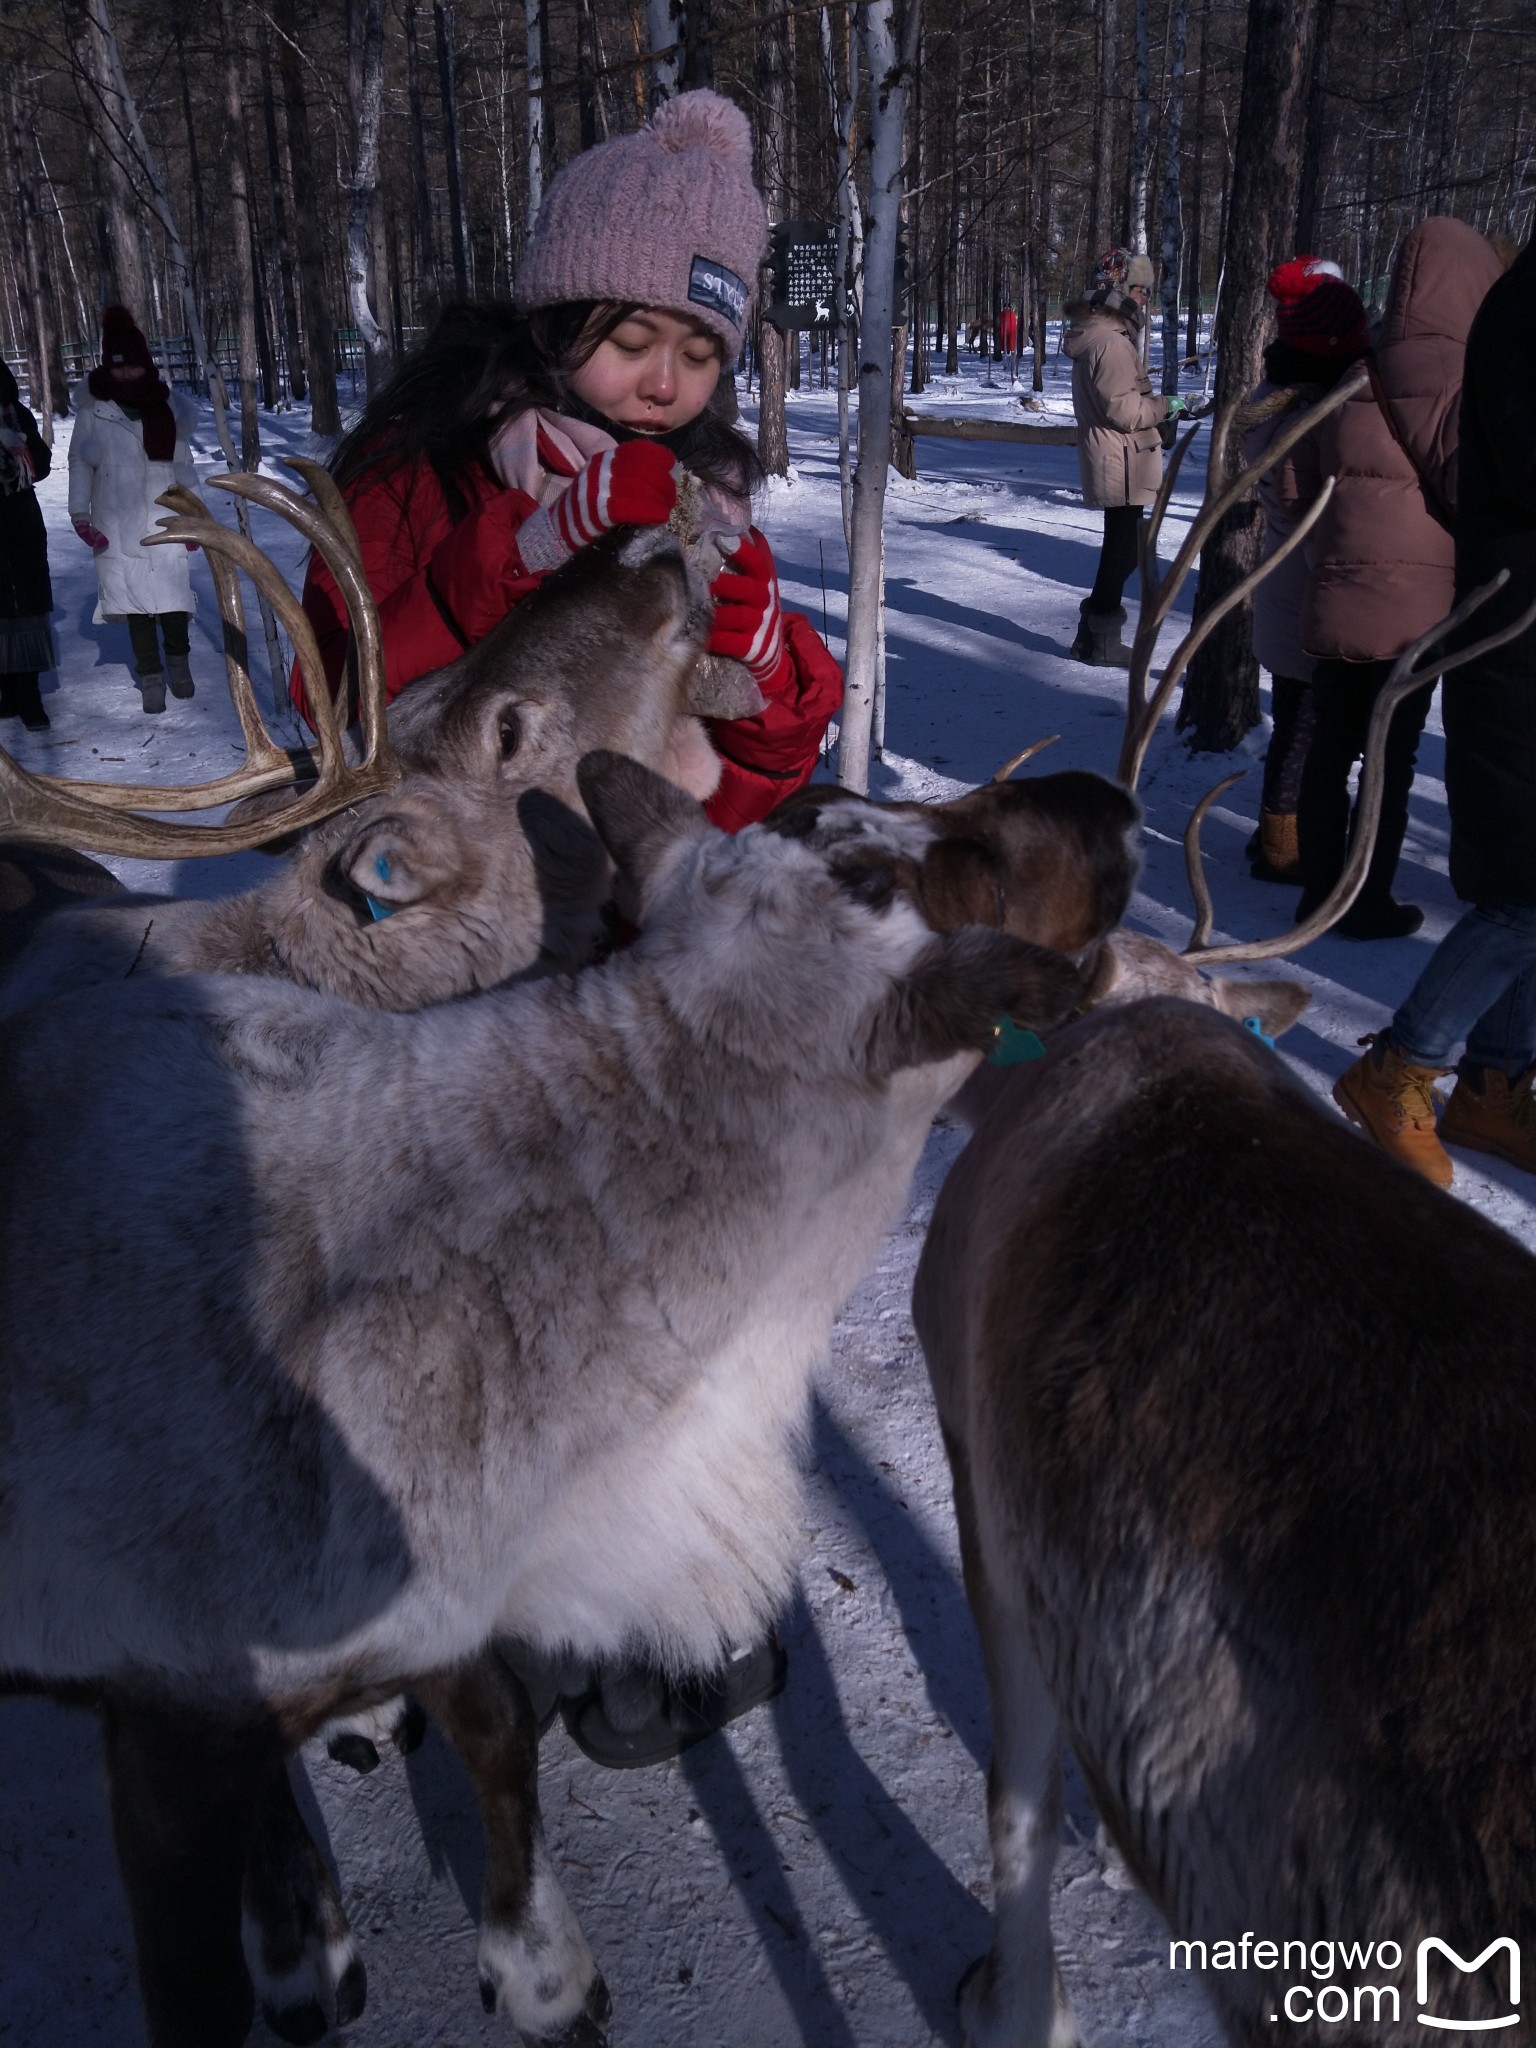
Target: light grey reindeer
[[1242, 1423], [489, 1318], [476, 864]]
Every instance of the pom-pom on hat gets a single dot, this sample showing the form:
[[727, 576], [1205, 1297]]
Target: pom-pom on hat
[[1327, 320], [1120, 269], [669, 217], [1300, 275]]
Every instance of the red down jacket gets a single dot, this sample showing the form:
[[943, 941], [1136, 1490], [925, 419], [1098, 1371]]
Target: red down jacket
[[415, 558]]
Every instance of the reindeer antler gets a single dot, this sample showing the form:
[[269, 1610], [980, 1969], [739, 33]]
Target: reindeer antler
[[1159, 592], [1408, 674], [1028, 754], [103, 817]]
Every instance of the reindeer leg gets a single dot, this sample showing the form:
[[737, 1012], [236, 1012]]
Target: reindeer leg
[[534, 1960], [298, 1945], [1013, 1997], [356, 1739], [183, 1792]]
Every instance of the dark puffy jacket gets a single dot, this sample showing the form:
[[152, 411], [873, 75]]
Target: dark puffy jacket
[[25, 591], [1382, 561], [1490, 706]]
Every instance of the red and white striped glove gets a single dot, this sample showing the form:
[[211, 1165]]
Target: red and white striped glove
[[749, 623], [634, 484]]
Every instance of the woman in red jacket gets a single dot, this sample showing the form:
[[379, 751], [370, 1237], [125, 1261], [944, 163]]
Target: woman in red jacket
[[519, 434]]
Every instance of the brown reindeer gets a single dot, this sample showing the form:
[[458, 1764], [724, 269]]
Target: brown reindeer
[[1242, 1422]]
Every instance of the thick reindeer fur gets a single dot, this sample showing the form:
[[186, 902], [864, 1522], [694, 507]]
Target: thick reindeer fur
[[481, 857], [1242, 1420], [492, 1318]]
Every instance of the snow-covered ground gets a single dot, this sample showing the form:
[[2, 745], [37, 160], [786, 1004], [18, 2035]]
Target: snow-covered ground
[[819, 1874]]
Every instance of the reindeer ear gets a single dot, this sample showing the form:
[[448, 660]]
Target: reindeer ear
[[1276, 1004], [392, 862], [961, 885], [637, 813], [960, 989]]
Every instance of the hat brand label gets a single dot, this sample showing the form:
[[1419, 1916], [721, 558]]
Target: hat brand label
[[711, 285]]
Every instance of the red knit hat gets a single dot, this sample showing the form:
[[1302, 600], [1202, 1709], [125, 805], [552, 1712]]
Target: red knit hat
[[1318, 314]]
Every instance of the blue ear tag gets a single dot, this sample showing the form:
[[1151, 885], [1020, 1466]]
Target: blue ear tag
[[380, 911], [1255, 1025], [1012, 1044]]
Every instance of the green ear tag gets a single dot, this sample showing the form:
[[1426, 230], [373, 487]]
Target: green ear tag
[[1012, 1044]]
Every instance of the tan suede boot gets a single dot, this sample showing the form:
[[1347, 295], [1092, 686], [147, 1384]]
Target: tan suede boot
[[1393, 1102], [1277, 856], [1488, 1112]]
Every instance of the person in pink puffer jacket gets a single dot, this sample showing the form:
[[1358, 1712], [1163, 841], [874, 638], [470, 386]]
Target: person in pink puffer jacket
[[1382, 560]]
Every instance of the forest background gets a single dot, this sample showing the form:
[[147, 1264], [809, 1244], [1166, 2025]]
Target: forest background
[[293, 190]]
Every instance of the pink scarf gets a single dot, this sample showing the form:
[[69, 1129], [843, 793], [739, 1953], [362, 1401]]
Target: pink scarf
[[538, 452]]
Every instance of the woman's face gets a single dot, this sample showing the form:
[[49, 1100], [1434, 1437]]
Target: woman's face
[[654, 372]]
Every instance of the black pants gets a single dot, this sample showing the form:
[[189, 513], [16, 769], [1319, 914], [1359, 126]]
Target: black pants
[[176, 627], [1117, 558], [1346, 692], [1293, 708]]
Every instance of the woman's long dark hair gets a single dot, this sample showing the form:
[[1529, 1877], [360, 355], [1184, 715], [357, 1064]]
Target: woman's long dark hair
[[485, 362]]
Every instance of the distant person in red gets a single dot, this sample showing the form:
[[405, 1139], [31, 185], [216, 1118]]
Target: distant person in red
[[517, 435], [1008, 340]]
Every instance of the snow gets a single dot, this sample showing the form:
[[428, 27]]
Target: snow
[[819, 1874]]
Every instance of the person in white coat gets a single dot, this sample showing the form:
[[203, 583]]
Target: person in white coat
[[132, 440]]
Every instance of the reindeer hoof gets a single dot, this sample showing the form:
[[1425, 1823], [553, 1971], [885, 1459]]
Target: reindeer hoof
[[301, 2023], [351, 1992], [410, 1730]]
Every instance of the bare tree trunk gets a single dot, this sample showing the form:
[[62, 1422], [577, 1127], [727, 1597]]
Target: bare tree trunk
[[109, 117], [421, 191], [538, 115], [367, 80], [841, 106], [199, 249], [292, 348], [442, 19], [890, 66], [1105, 114], [1221, 693], [240, 222], [1173, 218], [1141, 139], [33, 290], [1309, 199], [325, 412], [773, 87], [1197, 197]]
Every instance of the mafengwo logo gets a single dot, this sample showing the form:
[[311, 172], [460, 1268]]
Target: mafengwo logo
[[1435, 1944]]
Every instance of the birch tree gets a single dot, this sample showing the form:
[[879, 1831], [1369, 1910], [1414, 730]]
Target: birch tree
[[366, 65], [665, 25], [1173, 214], [890, 48], [1220, 699]]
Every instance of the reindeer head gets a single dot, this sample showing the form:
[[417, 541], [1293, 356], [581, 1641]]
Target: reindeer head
[[788, 952]]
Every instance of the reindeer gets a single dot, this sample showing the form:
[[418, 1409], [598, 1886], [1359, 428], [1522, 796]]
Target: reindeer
[[385, 1426], [1261, 1551], [476, 864]]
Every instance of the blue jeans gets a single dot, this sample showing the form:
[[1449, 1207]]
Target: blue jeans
[[1479, 985]]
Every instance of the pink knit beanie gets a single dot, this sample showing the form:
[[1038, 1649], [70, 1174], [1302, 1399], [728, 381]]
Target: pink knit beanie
[[669, 217]]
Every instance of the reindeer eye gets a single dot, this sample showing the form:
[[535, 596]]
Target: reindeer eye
[[511, 736]]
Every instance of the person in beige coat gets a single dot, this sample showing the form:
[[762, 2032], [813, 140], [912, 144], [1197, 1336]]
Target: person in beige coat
[[1381, 558], [1119, 446]]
